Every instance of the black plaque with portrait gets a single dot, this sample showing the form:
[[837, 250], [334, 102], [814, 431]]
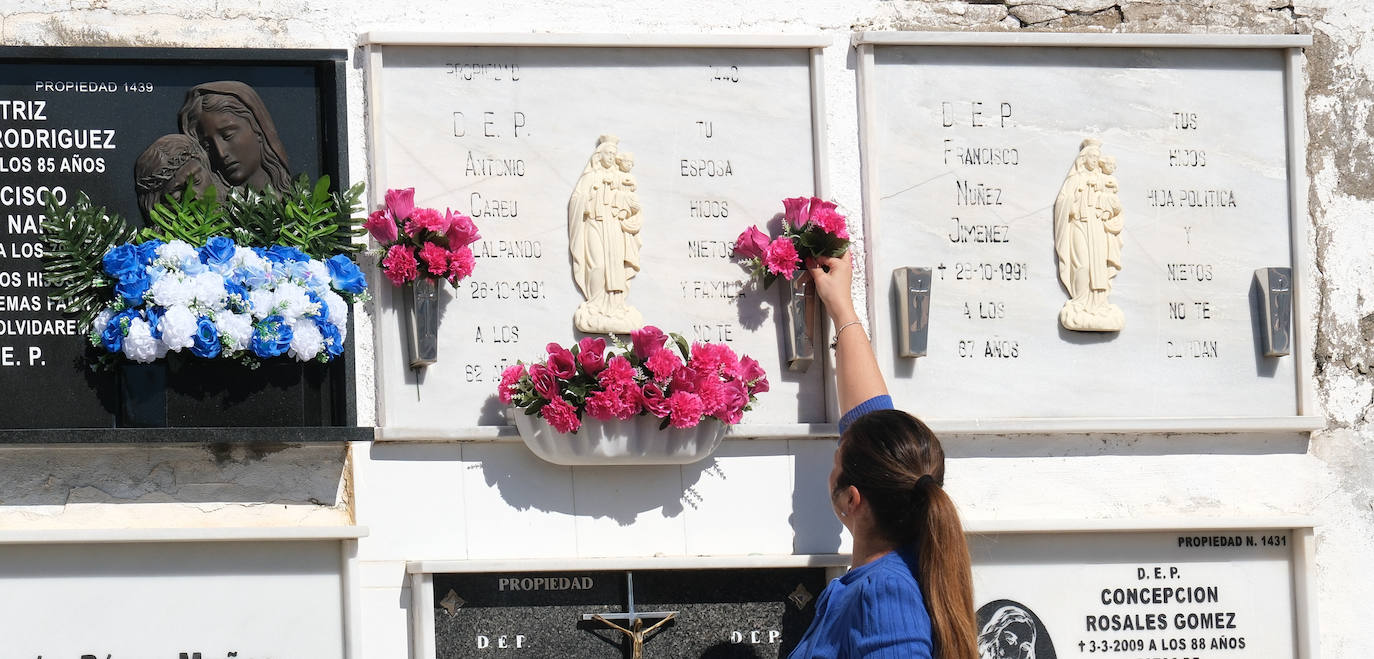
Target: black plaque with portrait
[[117, 123]]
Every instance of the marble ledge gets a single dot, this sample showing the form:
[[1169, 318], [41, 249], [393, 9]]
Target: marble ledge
[[278, 435], [163, 535], [509, 434]]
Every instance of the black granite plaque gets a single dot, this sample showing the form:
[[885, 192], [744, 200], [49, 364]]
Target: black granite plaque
[[76, 120], [721, 613]]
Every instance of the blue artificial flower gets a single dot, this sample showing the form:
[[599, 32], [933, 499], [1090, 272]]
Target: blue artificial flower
[[132, 287], [122, 261], [113, 336], [249, 277], [333, 340], [271, 337], [345, 275], [147, 251], [236, 297], [217, 251], [206, 340], [282, 254], [155, 314]]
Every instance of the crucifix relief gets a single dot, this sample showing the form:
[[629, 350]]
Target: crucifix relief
[[637, 633]]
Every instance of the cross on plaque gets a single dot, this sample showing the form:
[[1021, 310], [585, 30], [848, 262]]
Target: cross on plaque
[[636, 631]]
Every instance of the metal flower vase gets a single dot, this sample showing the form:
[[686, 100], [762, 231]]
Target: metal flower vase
[[800, 307], [421, 301], [636, 441]]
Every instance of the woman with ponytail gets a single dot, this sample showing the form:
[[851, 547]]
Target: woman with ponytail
[[909, 591]]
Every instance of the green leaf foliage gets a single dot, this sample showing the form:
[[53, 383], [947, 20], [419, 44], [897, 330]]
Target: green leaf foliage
[[192, 218], [305, 216], [75, 239]]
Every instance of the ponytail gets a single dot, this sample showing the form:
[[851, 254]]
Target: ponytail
[[899, 467]]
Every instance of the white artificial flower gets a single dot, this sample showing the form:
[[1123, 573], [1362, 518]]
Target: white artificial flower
[[306, 341], [178, 328], [101, 320], [338, 309], [319, 273], [261, 301], [139, 344], [237, 327], [173, 290], [292, 303], [178, 255], [209, 291]]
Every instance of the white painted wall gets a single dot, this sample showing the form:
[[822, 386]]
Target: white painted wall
[[481, 500]]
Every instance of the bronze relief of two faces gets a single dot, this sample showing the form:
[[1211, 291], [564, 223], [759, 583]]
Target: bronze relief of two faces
[[227, 140]]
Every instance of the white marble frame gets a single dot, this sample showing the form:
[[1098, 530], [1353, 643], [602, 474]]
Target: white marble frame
[[346, 536], [372, 59], [1309, 416]]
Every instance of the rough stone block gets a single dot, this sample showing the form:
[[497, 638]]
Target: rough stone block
[[1032, 14]]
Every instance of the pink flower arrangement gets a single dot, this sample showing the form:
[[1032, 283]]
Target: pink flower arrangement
[[810, 227], [422, 242], [657, 375]]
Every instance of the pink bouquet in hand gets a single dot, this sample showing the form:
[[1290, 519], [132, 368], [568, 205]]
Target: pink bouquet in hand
[[655, 375], [421, 242], [810, 227]]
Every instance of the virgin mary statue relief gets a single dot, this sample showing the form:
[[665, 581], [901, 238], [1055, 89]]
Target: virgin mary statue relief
[[1087, 241], [603, 237]]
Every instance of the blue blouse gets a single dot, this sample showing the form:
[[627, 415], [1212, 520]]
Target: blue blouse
[[874, 611]]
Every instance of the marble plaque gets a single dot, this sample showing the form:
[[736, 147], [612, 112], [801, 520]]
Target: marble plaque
[[719, 613], [719, 137], [967, 150], [207, 600], [1200, 594]]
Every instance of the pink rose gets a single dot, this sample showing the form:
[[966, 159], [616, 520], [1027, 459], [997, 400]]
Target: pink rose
[[646, 339], [400, 265], [753, 375], [509, 379], [382, 226], [618, 371], [794, 211], [435, 258], [545, 384], [561, 361], [663, 363], [685, 409], [751, 243], [401, 203], [461, 231], [591, 355], [781, 258], [426, 219], [460, 263], [654, 401], [734, 398], [561, 415]]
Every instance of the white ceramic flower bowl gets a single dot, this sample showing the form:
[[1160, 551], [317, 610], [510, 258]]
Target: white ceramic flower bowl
[[637, 441]]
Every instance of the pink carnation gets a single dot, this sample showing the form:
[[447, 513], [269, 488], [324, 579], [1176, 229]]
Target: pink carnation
[[400, 265], [686, 409], [781, 258], [794, 211], [561, 415], [461, 231], [618, 371], [382, 226], [831, 222], [751, 243], [819, 207], [460, 263], [426, 219], [715, 359], [509, 379], [561, 361], [663, 363], [401, 203], [602, 405], [591, 355], [435, 258], [712, 394]]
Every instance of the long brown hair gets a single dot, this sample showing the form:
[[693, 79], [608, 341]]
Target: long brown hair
[[897, 464]]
